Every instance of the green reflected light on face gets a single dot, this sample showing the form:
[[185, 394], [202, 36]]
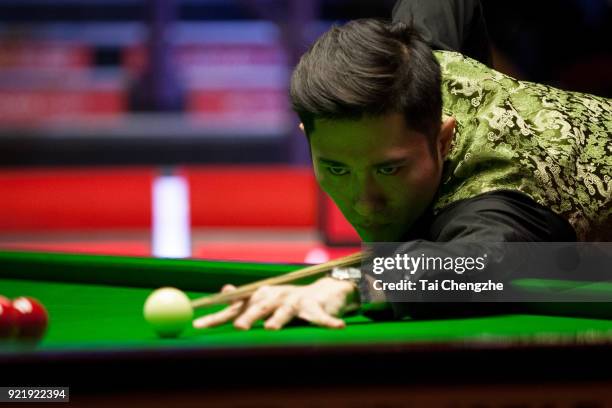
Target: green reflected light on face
[[379, 173]]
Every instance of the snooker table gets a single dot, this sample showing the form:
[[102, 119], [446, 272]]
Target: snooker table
[[99, 345]]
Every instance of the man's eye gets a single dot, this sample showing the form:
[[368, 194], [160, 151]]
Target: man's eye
[[337, 171], [388, 171]]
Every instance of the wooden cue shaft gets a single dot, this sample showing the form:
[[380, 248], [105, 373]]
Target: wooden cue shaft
[[247, 290]]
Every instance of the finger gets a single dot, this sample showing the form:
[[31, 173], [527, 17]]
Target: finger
[[264, 293], [227, 288], [224, 316], [314, 313], [253, 313], [281, 317]]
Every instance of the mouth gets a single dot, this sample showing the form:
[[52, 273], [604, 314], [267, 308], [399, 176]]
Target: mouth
[[373, 225]]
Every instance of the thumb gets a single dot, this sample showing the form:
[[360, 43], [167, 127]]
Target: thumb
[[228, 288]]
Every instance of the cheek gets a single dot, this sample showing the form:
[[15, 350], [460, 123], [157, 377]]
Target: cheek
[[418, 186], [335, 187], [424, 175], [426, 182]]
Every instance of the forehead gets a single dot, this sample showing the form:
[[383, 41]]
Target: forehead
[[372, 138]]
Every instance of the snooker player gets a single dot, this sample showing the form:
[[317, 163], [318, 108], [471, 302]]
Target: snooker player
[[434, 146]]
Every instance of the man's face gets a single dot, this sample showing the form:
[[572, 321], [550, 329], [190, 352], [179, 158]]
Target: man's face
[[379, 173]]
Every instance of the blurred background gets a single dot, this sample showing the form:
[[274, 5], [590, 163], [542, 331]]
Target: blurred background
[[150, 127]]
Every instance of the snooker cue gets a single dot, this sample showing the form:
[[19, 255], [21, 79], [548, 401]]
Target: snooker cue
[[247, 290]]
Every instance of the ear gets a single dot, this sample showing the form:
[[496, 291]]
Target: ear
[[445, 137], [301, 126]]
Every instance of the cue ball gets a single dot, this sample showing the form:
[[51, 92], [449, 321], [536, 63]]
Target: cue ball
[[32, 318], [168, 311]]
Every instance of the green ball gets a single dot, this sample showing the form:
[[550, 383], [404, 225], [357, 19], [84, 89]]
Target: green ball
[[168, 311]]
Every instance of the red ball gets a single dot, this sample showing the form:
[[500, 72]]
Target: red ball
[[8, 319], [32, 318]]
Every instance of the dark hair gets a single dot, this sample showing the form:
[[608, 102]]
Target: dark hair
[[369, 67]]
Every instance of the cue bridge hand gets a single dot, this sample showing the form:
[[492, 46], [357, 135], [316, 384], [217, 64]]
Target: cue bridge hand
[[319, 303]]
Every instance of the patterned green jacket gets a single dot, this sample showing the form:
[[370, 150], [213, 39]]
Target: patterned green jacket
[[554, 146]]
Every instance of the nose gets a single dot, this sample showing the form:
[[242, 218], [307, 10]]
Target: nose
[[368, 198]]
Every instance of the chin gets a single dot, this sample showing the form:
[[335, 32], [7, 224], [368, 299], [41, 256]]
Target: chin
[[378, 237]]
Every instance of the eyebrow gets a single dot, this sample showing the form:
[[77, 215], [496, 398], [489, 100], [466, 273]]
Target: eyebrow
[[331, 162], [391, 163], [388, 163]]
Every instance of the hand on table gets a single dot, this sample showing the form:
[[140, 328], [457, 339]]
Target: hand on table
[[319, 303]]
